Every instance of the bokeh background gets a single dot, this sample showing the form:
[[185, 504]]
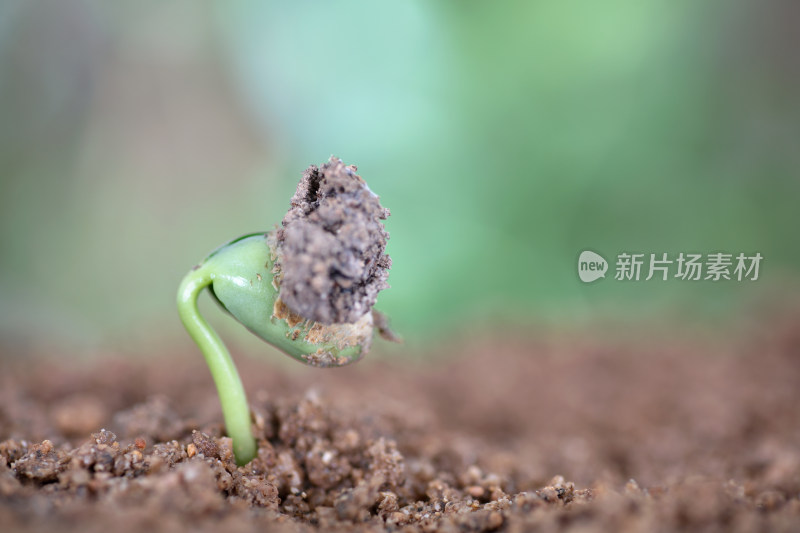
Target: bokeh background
[[135, 137]]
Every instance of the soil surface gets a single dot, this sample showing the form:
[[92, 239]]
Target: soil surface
[[568, 432], [331, 246]]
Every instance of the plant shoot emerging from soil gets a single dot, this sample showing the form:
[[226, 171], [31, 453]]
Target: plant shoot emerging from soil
[[307, 288]]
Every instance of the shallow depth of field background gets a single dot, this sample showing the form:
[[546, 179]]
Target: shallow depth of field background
[[135, 137]]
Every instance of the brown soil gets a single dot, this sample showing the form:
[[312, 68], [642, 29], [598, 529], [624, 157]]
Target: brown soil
[[565, 433], [331, 246]]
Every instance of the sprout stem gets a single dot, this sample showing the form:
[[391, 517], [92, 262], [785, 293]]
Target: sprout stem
[[235, 410]]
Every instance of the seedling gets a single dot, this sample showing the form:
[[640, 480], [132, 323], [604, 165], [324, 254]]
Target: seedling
[[307, 287]]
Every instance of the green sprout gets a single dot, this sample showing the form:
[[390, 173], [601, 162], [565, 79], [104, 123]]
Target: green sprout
[[259, 279]]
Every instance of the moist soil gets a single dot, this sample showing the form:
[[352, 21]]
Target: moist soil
[[331, 262], [557, 432]]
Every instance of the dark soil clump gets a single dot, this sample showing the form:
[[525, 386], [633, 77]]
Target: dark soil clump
[[561, 434], [331, 246]]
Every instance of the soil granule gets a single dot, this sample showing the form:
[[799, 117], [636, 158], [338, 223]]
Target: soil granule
[[331, 247], [564, 433]]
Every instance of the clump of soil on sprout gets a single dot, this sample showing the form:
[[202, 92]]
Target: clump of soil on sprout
[[331, 248]]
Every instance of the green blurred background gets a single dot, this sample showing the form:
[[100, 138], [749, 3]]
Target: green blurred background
[[135, 137]]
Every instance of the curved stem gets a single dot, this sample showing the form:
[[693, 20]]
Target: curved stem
[[229, 386]]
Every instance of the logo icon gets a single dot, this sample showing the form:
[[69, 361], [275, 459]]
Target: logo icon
[[591, 266]]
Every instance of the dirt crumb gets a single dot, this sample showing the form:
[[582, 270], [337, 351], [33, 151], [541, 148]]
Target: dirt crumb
[[331, 248], [42, 463], [205, 445]]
